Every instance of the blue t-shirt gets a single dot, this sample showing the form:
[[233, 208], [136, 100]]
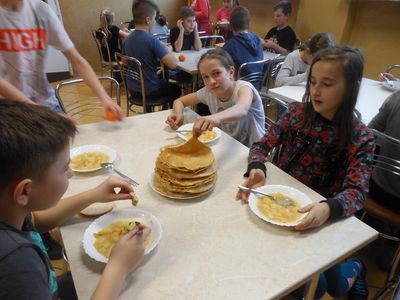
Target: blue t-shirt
[[148, 50]]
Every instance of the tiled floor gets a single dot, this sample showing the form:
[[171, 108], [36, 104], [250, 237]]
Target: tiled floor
[[375, 277]]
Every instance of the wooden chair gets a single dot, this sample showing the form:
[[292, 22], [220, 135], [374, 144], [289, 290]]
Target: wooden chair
[[373, 208], [131, 69], [84, 107]]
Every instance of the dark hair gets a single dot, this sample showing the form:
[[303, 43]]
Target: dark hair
[[285, 5], [141, 9], [351, 62], [240, 18], [162, 20], [219, 54], [31, 137], [186, 12], [318, 42]]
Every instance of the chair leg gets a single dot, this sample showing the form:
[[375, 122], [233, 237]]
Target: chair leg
[[395, 264]]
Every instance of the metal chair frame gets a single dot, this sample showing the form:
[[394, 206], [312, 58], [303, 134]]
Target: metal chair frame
[[256, 78], [104, 64], [83, 107], [209, 41], [391, 67], [378, 211], [131, 68]]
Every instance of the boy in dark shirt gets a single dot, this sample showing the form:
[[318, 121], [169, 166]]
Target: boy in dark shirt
[[35, 171], [281, 39], [185, 35]]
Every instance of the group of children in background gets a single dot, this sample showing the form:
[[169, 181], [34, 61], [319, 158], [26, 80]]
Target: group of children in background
[[324, 144]]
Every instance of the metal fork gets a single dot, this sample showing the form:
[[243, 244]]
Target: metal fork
[[283, 202], [110, 166]]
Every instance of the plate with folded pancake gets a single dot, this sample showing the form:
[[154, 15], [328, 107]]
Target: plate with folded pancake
[[105, 231], [184, 171], [206, 137]]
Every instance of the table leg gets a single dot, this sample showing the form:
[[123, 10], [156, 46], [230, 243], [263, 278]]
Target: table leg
[[312, 288]]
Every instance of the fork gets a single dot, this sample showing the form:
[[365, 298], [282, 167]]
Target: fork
[[282, 202], [110, 166]]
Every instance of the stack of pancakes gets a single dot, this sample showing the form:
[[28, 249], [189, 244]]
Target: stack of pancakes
[[186, 170]]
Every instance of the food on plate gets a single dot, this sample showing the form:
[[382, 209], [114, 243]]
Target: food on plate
[[186, 170], [89, 160], [277, 212], [135, 199], [181, 57], [109, 235], [97, 209], [205, 137]]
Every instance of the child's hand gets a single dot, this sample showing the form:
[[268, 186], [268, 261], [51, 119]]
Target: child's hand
[[318, 213], [386, 76], [256, 179], [179, 23], [129, 250], [269, 44], [109, 107], [205, 123], [105, 191], [174, 121]]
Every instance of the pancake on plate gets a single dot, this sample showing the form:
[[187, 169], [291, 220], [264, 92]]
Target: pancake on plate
[[185, 170]]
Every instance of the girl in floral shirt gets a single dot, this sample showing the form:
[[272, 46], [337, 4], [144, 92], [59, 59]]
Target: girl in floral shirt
[[326, 147]]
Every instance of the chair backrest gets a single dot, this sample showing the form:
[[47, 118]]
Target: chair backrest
[[256, 78], [77, 100], [391, 67], [384, 162], [162, 37], [273, 71], [131, 70], [100, 38], [208, 41]]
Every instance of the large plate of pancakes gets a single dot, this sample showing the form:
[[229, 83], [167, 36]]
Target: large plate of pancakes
[[184, 171]]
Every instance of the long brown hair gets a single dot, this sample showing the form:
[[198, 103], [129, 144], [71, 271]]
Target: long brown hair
[[352, 63], [106, 20]]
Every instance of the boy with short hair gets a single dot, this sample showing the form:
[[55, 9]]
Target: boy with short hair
[[244, 46], [35, 172], [281, 39], [185, 35], [142, 45]]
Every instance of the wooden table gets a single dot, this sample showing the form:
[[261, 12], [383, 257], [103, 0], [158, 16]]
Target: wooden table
[[213, 247], [370, 98]]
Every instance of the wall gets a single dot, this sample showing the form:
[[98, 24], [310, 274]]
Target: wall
[[80, 16]]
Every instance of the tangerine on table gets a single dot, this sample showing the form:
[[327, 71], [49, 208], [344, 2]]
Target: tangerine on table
[[181, 57]]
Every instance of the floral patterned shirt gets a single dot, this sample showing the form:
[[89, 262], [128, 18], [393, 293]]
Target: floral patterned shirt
[[312, 158]]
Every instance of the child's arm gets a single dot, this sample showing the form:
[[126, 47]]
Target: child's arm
[[169, 61], [234, 113], [179, 41], [175, 119], [9, 91], [83, 69], [45, 220], [197, 41], [123, 34], [124, 257], [275, 46]]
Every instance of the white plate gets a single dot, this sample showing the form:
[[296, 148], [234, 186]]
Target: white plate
[[139, 215], [392, 85], [93, 148], [172, 197], [189, 126], [295, 194]]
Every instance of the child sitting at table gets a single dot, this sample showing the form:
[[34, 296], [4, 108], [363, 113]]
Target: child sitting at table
[[34, 175], [223, 17], [185, 36], [281, 39], [294, 69], [326, 147], [142, 45], [113, 34], [244, 46], [235, 106], [160, 26]]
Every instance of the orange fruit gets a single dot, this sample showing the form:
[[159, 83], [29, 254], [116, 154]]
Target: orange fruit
[[181, 57], [110, 116]]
